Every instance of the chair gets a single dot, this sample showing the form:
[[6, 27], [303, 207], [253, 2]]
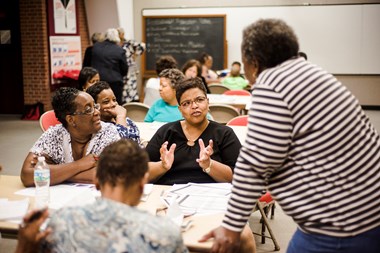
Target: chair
[[222, 113], [238, 121], [237, 92], [136, 111], [48, 119], [217, 88], [263, 205]]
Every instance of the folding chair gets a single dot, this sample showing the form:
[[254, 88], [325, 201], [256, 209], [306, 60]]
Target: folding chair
[[217, 88], [48, 119], [222, 113], [264, 205], [238, 121], [136, 111]]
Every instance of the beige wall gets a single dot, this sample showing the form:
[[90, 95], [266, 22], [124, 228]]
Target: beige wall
[[365, 87]]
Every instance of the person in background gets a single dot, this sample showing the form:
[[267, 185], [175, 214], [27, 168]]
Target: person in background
[[200, 150], [206, 61], [109, 59], [96, 37], [153, 84], [234, 81], [310, 144], [165, 109], [111, 111], [193, 68], [87, 77], [113, 223], [132, 50], [71, 148]]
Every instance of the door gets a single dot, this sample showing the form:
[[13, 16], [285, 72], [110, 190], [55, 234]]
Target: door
[[11, 80]]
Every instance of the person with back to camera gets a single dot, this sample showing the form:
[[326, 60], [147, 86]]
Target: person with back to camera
[[153, 84], [96, 37], [87, 77], [132, 50], [109, 59], [193, 68], [165, 109], [310, 144], [111, 111], [71, 149]]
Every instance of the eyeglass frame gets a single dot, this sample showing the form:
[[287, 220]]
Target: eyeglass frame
[[96, 106], [191, 101]]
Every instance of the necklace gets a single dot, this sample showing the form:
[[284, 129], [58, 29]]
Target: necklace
[[198, 132]]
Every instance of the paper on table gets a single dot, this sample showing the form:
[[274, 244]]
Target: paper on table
[[215, 189], [13, 209], [147, 190], [63, 195]]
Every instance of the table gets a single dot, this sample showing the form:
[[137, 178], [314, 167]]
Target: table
[[240, 102], [201, 224], [147, 130]]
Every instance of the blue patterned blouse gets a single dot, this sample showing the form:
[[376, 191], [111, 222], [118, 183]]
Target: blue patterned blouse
[[107, 226]]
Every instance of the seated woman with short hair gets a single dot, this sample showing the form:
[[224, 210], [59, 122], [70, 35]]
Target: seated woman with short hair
[[165, 109], [111, 111], [71, 149], [201, 151]]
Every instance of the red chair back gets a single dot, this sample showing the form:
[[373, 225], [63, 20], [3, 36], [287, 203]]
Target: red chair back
[[48, 119], [238, 121], [237, 92]]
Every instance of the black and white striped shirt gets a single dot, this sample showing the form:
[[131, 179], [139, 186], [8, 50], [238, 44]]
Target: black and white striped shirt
[[310, 143]]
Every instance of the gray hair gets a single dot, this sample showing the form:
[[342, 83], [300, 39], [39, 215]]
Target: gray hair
[[174, 75], [113, 35]]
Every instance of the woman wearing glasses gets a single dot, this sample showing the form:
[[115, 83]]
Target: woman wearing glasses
[[71, 149], [193, 149]]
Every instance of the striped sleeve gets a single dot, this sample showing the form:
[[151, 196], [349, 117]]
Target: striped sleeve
[[265, 150]]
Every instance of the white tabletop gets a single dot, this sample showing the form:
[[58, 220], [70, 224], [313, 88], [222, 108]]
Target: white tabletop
[[235, 100]]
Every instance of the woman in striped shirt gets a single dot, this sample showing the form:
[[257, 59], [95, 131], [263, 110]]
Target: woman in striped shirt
[[310, 144]]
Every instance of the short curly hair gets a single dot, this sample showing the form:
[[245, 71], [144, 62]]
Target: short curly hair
[[268, 42], [123, 162], [63, 103], [188, 84], [174, 75], [96, 88]]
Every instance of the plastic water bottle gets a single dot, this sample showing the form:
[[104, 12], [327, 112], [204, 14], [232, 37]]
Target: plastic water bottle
[[42, 183]]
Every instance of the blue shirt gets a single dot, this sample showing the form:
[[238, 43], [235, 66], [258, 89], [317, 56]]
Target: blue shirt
[[163, 112], [109, 226]]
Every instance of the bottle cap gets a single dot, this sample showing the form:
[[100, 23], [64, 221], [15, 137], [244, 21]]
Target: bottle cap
[[41, 158]]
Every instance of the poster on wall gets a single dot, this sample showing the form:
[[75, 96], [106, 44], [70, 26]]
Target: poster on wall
[[65, 58], [65, 17]]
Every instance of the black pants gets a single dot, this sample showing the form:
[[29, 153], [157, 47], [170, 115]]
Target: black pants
[[117, 88]]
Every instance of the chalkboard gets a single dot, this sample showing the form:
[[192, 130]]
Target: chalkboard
[[184, 37]]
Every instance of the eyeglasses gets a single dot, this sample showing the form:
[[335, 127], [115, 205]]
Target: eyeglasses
[[197, 100], [88, 110]]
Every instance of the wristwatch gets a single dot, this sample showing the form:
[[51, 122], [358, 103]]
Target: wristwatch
[[208, 169]]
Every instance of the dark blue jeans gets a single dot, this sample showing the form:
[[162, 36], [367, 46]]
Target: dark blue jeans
[[367, 242]]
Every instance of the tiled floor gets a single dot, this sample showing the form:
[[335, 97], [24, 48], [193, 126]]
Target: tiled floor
[[17, 136]]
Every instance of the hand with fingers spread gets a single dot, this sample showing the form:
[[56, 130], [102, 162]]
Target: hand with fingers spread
[[205, 153], [167, 156], [29, 235], [225, 241]]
